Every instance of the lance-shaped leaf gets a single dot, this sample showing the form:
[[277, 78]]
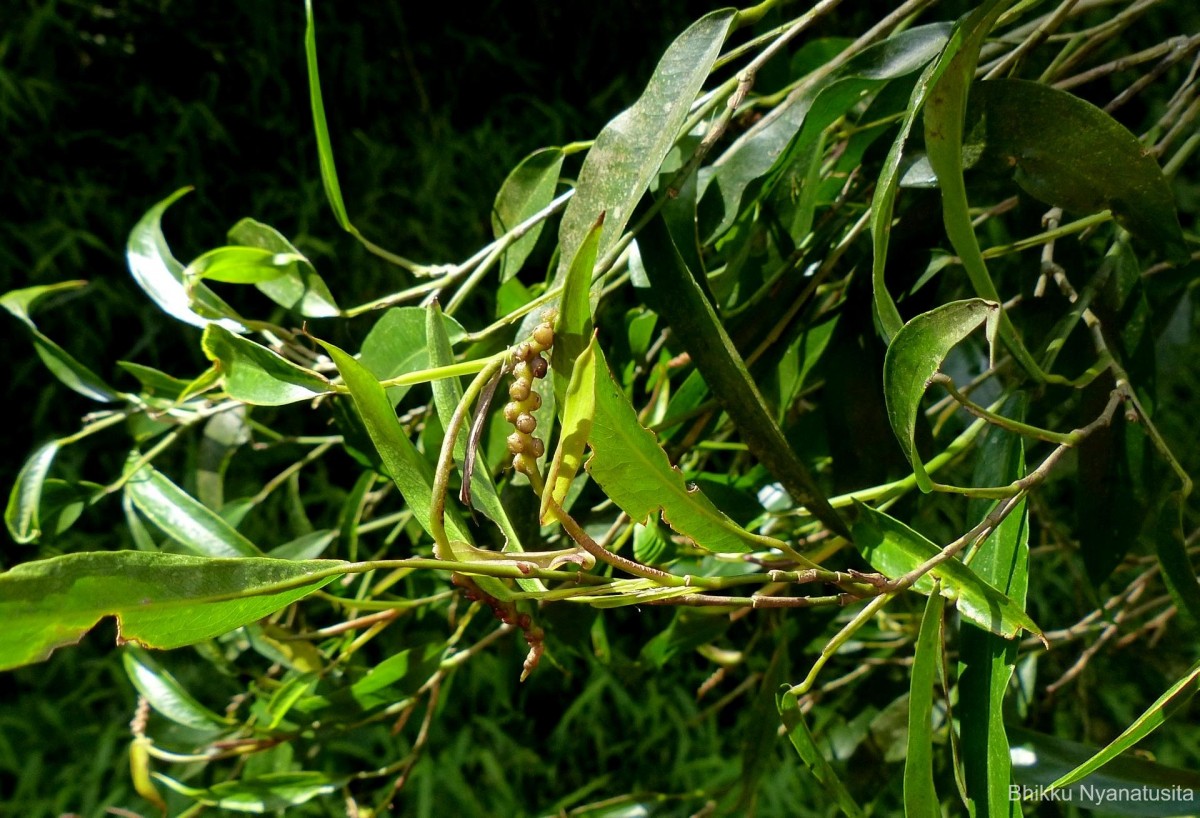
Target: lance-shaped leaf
[[399, 344], [628, 152], [1071, 154], [986, 661], [915, 355], [159, 600], [677, 296], [61, 363], [529, 188], [166, 695], [894, 549], [636, 474], [579, 410], [806, 747], [1039, 759], [254, 374], [264, 793], [239, 265], [161, 276], [1154, 717], [795, 125], [573, 327], [299, 287], [183, 518], [920, 794], [22, 515]]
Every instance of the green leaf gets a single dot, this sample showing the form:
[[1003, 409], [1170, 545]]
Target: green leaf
[[183, 518], [579, 411], [789, 132], [915, 355], [627, 154], [986, 660], [1068, 153], [920, 794], [678, 298], [1166, 705], [329, 177], [409, 470], [159, 600], [22, 515], [161, 276], [573, 326], [811, 755], [265, 793], [166, 695], [239, 265], [528, 189], [155, 382], [636, 474], [299, 287], [447, 395], [652, 544], [253, 374], [894, 549], [305, 547], [61, 363], [399, 344], [1038, 759]]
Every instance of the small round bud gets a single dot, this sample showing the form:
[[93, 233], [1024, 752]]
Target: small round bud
[[512, 411], [524, 351], [525, 422], [524, 463], [519, 390], [536, 447], [521, 371], [516, 442], [543, 335], [538, 366], [533, 402]]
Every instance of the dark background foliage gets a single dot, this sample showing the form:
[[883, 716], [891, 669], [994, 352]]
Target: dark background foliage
[[107, 107]]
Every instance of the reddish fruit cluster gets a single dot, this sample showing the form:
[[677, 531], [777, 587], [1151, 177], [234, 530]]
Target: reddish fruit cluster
[[523, 401]]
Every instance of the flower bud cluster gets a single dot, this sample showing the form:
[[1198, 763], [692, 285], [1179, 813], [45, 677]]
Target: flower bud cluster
[[528, 364]]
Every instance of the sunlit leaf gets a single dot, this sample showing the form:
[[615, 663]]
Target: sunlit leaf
[[573, 326], [183, 518], [160, 275], [579, 410], [915, 355], [627, 153], [159, 600], [239, 265], [894, 549], [61, 363], [299, 287], [22, 515], [253, 374], [265, 793], [167, 695]]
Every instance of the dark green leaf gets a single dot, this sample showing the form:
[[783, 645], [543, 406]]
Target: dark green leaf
[[398, 344], [253, 374], [329, 176], [1068, 153], [679, 299], [529, 188], [159, 600], [920, 794], [894, 549], [305, 547], [915, 355], [627, 153]]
